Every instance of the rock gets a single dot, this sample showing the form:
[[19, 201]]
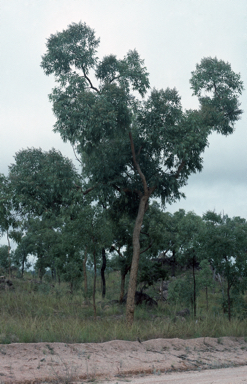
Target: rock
[[141, 298], [112, 302], [165, 295], [5, 284], [165, 285], [184, 312], [178, 318]]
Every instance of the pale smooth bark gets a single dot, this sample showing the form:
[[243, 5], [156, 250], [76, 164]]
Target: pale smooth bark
[[143, 206], [130, 304]]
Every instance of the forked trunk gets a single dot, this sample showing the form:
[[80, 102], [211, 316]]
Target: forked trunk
[[130, 305]]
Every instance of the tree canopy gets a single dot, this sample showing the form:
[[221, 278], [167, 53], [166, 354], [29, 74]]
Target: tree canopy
[[133, 147]]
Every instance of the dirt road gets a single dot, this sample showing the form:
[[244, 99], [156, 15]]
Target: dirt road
[[152, 361], [213, 376]]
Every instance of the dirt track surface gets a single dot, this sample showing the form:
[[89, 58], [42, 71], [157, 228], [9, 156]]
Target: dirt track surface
[[152, 361]]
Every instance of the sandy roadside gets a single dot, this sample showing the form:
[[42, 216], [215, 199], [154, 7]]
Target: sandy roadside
[[121, 361]]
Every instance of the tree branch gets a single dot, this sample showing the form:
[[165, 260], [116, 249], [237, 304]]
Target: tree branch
[[180, 169], [144, 233], [138, 166], [115, 78], [118, 250], [149, 246], [88, 190], [87, 78], [75, 154]]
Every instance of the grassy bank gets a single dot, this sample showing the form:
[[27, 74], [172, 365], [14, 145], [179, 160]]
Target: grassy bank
[[38, 312]]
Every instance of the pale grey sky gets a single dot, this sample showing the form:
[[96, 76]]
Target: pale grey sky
[[171, 36]]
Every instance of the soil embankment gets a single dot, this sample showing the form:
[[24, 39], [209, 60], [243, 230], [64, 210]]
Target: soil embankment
[[119, 360]]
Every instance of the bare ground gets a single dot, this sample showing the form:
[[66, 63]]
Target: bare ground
[[122, 361]]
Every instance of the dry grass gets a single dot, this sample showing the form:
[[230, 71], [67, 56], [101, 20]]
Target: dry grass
[[36, 313]]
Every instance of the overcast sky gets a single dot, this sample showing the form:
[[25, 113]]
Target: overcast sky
[[171, 36]]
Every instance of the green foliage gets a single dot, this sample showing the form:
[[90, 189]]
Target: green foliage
[[75, 46], [150, 273], [42, 182], [190, 229], [98, 119], [4, 258], [131, 148], [8, 220], [181, 291], [218, 89], [225, 245], [21, 253], [205, 275]]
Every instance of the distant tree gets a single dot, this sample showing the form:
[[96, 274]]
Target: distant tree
[[131, 148], [43, 183], [43, 239], [226, 245], [5, 258], [205, 277], [8, 219], [150, 273], [164, 230], [190, 232], [21, 254]]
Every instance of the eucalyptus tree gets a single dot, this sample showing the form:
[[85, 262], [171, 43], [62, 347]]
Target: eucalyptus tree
[[8, 219], [190, 233], [164, 230], [43, 239], [205, 277], [225, 246], [131, 146], [21, 254], [5, 259], [44, 185]]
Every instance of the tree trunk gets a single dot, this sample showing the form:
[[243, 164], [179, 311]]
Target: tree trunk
[[22, 268], [130, 305], [94, 284], [53, 272], [8, 251], [194, 283], [103, 272], [40, 274], [173, 263], [123, 276], [85, 271], [122, 287], [71, 287], [228, 300]]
